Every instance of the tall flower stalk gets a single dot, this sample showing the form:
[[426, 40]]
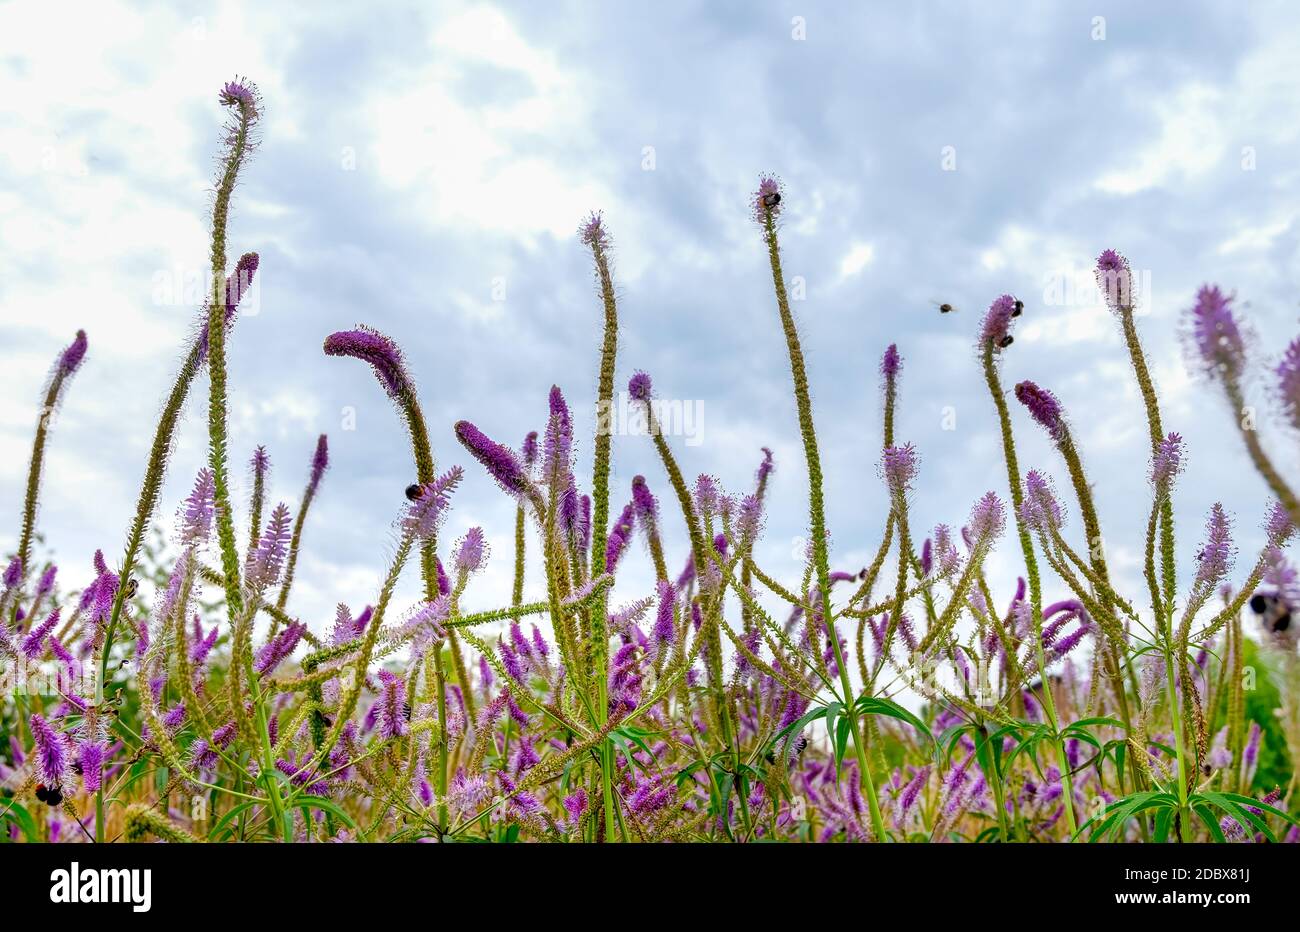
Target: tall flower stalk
[[767, 207]]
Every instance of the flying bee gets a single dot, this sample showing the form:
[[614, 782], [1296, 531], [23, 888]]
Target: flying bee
[[50, 796], [771, 200], [132, 585], [1019, 309], [413, 491], [944, 307], [1273, 610], [1006, 341]]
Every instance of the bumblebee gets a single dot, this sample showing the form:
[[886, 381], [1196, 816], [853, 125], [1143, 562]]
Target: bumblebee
[[1273, 611], [413, 491], [1006, 341], [1019, 309], [771, 200], [51, 797]]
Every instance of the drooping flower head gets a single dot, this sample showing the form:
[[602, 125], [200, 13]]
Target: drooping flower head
[[320, 461], [371, 346], [237, 285], [767, 199], [34, 643], [1215, 556], [198, 510], [1043, 407], [592, 230], [1039, 508], [499, 460], [995, 330], [266, 561], [1167, 463], [765, 469], [987, 519], [1216, 338], [899, 466], [241, 93], [1288, 383], [278, 649], [1115, 280]]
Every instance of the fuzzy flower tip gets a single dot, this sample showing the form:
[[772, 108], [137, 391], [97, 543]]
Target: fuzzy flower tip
[[1215, 556], [240, 93], [471, 551], [1043, 407], [260, 463], [1114, 280], [1215, 336], [70, 359], [320, 460], [592, 230], [891, 363], [1167, 463], [1039, 509], [987, 518], [198, 510], [995, 331], [379, 351], [499, 460], [266, 560], [51, 749], [529, 449], [900, 465], [430, 504], [1288, 383], [640, 387], [767, 199], [13, 573]]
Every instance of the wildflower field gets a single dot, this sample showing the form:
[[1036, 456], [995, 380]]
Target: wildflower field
[[171, 693]]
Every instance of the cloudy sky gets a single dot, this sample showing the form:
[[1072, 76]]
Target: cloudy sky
[[424, 167]]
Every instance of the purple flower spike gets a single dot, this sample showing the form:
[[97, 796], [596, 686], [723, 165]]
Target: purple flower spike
[[240, 93], [13, 573], [499, 460], [557, 450], [639, 387], [1215, 335], [1288, 383], [266, 560], [749, 520], [392, 705], [664, 630], [1114, 280], [1215, 556], [426, 512], [529, 449], [71, 358], [900, 465], [51, 750], [33, 643], [767, 199], [379, 351], [1043, 408], [987, 519], [471, 551], [765, 468], [1167, 463], [995, 330], [278, 649], [91, 756], [593, 232], [320, 461], [1039, 508], [891, 363], [198, 510], [1279, 526], [45, 585]]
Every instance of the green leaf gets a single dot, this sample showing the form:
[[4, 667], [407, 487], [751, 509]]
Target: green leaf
[[874, 705], [325, 805]]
